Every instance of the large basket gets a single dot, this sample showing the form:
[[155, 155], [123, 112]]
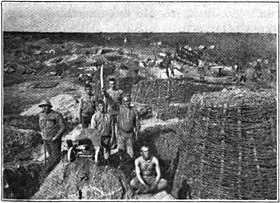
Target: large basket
[[229, 148]]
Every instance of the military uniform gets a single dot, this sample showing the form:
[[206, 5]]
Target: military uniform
[[167, 64], [52, 125], [103, 123], [114, 100], [87, 109], [127, 120]]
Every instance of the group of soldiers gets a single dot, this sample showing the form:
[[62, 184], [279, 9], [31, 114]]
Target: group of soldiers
[[116, 124]]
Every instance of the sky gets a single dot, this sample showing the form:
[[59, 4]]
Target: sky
[[140, 17]]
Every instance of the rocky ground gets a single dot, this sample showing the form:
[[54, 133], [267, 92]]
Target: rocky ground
[[52, 67]]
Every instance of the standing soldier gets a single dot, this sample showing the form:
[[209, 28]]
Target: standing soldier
[[128, 125], [113, 96], [52, 126], [102, 122], [258, 69], [87, 106], [167, 64]]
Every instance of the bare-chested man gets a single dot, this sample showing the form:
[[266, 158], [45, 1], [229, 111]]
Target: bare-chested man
[[148, 176]]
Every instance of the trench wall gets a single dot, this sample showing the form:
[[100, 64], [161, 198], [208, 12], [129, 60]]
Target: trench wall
[[229, 152], [161, 93]]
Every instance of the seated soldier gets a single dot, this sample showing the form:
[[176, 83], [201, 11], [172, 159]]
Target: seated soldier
[[148, 176]]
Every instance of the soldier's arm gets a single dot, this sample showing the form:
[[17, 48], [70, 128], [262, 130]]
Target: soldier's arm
[[138, 172], [120, 97], [40, 122], [112, 126], [110, 100], [137, 122], [61, 127], [95, 100], [156, 162], [80, 108], [93, 123]]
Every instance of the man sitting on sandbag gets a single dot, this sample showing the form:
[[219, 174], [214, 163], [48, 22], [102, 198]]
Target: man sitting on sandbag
[[148, 176], [102, 122]]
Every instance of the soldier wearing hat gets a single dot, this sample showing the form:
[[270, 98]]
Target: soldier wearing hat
[[52, 127], [128, 126]]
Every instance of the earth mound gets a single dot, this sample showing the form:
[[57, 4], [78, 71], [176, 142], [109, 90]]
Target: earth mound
[[83, 179]]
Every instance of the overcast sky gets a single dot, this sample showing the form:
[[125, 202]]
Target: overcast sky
[[140, 17]]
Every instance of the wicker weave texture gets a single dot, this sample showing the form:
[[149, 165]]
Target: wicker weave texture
[[229, 148]]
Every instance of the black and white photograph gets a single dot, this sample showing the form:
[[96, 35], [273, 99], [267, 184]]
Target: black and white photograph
[[139, 101]]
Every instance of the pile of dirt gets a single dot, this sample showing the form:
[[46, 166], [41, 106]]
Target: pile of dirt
[[163, 196], [23, 122], [229, 146], [19, 144], [63, 103], [81, 180], [21, 182]]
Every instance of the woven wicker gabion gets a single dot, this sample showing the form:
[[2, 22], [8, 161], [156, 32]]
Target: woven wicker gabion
[[160, 93], [229, 147]]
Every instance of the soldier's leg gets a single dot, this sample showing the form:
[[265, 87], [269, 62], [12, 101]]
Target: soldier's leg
[[130, 145], [97, 150], [167, 71], [162, 184], [55, 153], [172, 70], [136, 185], [47, 148], [121, 141], [105, 141], [86, 121]]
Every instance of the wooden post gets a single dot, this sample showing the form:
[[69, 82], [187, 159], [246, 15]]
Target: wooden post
[[239, 129], [204, 136], [273, 129], [223, 145], [168, 88], [137, 92], [256, 156], [102, 85]]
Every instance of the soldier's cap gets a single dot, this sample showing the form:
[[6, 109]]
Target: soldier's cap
[[126, 98], [45, 102]]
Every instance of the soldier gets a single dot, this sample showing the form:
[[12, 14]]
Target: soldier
[[113, 96], [87, 106], [167, 64], [258, 69], [148, 175], [52, 126], [103, 123], [128, 126]]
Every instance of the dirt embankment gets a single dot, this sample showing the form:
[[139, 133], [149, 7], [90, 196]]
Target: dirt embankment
[[57, 65]]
